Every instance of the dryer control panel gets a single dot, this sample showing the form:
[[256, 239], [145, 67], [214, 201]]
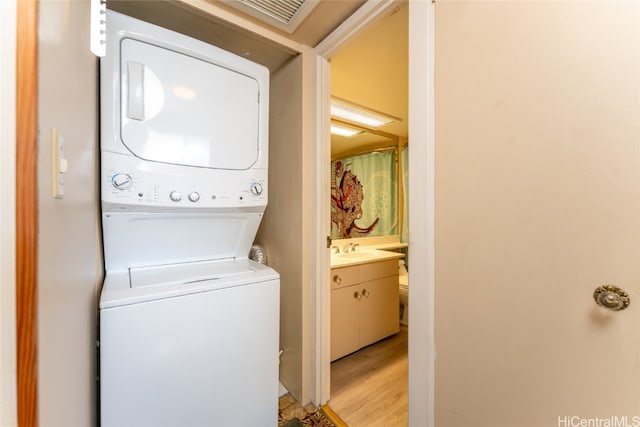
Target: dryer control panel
[[128, 186]]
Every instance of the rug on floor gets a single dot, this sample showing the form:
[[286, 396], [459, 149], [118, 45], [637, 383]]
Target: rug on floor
[[292, 414]]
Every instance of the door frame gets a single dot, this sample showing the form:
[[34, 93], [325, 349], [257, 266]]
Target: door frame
[[421, 203]]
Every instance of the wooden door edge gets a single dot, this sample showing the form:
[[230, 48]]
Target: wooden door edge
[[26, 210]]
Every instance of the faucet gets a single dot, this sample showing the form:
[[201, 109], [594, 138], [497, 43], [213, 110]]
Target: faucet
[[346, 247], [353, 246], [335, 249]]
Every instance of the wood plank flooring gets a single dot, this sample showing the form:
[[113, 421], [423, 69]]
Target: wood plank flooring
[[369, 388]]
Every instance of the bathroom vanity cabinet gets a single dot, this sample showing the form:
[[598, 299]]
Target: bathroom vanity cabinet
[[364, 305]]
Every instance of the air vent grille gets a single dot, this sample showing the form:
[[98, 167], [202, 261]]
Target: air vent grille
[[282, 10], [283, 14]]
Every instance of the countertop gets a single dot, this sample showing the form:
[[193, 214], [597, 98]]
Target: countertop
[[362, 256]]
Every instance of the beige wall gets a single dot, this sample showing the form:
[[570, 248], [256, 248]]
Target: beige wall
[[7, 214], [281, 229], [287, 228], [537, 203], [69, 267]]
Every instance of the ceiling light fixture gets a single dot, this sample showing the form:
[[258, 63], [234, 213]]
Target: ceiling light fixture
[[342, 130], [354, 113]]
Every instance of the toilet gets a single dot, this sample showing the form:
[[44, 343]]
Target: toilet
[[403, 284]]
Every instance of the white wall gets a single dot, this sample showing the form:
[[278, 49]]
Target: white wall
[[69, 264], [7, 214], [421, 213]]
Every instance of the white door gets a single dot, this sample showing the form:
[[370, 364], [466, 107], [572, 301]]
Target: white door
[[182, 109], [537, 204]]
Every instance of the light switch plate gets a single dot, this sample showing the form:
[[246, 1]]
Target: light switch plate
[[58, 165]]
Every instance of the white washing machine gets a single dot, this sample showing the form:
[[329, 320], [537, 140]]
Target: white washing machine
[[191, 344], [188, 324]]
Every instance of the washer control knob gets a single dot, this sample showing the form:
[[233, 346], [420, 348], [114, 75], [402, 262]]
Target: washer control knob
[[256, 188], [194, 197], [121, 181], [175, 196]]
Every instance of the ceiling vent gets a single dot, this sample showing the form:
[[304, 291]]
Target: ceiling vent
[[283, 14]]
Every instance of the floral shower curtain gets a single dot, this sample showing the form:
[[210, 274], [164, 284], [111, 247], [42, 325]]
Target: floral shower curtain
[[364, 195]]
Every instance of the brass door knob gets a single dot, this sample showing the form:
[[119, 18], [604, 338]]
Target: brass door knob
[[611, 297]]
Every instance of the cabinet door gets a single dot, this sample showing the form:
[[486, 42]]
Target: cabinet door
[[345, 306], [379, 308]]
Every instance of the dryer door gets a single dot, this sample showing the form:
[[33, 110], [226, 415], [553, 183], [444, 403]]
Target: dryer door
[[183, 110]]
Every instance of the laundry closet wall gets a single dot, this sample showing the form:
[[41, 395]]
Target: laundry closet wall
[[69, 254], [285, 230]]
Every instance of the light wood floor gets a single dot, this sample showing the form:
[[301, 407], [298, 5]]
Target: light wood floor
[[369, 387]]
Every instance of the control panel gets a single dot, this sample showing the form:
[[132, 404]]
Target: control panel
[[126, 187]]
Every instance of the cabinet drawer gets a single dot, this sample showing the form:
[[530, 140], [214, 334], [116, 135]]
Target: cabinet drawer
[[377, 270], [345, 276]]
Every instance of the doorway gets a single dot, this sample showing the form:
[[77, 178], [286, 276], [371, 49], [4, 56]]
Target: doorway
[[421, 195], [370, 69]]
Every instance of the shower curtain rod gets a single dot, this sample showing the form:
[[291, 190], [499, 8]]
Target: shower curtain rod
[[375, 150]]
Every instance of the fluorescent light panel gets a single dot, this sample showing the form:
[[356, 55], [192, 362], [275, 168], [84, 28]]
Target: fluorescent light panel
[[344, 130], [360, 115]]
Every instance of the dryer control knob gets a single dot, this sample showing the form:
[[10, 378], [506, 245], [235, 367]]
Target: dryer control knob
[[175, 196], [121, 181], [194, 197], [256, 188]]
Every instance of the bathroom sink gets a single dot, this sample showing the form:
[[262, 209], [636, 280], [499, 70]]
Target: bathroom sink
[[361, 256], [357, 254]]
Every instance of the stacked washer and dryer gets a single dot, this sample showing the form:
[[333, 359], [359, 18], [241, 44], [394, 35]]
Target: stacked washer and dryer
[[188, 324]]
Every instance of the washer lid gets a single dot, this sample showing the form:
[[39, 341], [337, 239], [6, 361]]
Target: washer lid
[[140, 239], [141, 285], [180, 109], [187, 273]]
